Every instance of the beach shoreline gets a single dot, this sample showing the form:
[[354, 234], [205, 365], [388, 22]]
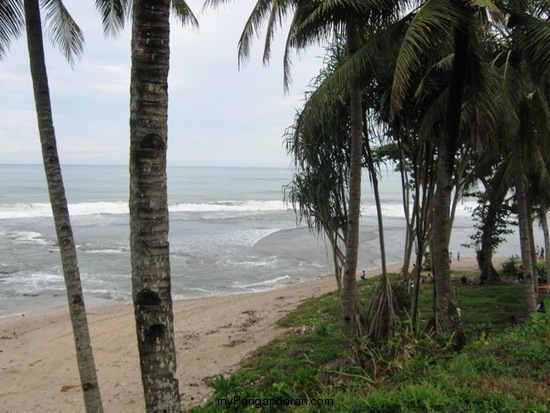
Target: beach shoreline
[[213, 336]]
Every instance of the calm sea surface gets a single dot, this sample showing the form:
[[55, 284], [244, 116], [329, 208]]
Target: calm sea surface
[[230, 232]]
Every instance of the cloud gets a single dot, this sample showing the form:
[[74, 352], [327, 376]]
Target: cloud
[[218, 115]]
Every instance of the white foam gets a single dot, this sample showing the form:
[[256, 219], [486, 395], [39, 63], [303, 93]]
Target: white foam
[[264, 284], [105, 251], [230, 206], [41, 210], [395, 210], [27, 237]]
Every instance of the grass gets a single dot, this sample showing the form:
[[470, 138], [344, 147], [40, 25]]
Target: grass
[[504, 368]]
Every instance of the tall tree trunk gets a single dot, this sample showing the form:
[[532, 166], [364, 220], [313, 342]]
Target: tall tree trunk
[[447, 317], [524, 222], [151, 287], [378, 201], [409, 229], [534, 256], [544, 225], [353, 314], [60, 211]]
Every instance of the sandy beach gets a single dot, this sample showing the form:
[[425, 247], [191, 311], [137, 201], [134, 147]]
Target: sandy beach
[[38, 370]]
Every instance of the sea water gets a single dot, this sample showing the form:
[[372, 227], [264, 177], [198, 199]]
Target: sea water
[[230, 232]]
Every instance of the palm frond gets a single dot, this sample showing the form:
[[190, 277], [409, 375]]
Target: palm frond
[[533, 37], [279, 10], [480, 115], [360, 66], [258, 16], [63, 30], [12, 23], [114, 14], [512, 96], [431, 26], [184, 13]]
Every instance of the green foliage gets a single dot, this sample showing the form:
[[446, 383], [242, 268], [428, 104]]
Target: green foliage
[[223, 386], [510, 267], [491, 307], [499, 229], [502, 369], [427, 262], [542, 318], [321, 329], [403, 298]]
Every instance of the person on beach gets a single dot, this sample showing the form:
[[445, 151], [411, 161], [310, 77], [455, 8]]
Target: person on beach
[[520, 273]]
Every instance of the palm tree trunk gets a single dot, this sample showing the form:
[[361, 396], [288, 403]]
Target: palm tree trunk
[[353, 314], [544, 225], [534, 256], [405, 195], [378, 201], [524, 222], [151, 285], [447, 316], [60, 211]]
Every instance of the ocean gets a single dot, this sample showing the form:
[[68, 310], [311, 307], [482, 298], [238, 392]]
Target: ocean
[[230, 232]]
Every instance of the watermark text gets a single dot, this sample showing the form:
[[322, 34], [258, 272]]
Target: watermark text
[[278, 401]]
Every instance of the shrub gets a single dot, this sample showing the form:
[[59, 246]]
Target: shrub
[[510, 267]]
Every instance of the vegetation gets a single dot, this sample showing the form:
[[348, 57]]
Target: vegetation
[[505, 367]]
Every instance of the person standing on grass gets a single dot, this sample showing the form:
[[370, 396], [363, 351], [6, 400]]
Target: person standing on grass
[[520, 273]]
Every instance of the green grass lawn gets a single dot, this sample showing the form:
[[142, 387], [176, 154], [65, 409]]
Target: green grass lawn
[[504, 368]]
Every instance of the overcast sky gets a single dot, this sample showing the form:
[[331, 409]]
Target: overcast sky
[[218, 115]]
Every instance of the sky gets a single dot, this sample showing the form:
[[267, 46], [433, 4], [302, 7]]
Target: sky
[[218, 115]]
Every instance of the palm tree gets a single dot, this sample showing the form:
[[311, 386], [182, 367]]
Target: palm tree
[[318, 191], [151, 285], [68, 36], [525, 67], [435, 25]]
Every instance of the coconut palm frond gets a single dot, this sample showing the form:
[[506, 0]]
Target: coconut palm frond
[[511, 98], [114, 14], [184, 13], [533, 37], [12, 23], [480, 115], [280, 9], [430, 27], [63, 30]]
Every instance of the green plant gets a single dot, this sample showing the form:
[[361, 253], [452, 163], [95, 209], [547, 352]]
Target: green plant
[[304, 377], [427, 263], [510, 267], [223, 387], [321, 329], [542, 318]]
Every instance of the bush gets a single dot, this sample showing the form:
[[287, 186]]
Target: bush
[[510, 267]]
